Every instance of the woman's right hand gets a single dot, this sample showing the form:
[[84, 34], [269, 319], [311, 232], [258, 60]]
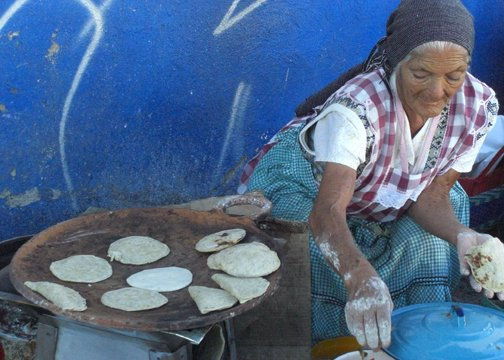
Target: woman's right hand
[[369, 307]]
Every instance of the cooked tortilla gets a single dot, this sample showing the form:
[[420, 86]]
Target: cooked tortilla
[[133, 299], [220, 240], [244, 289], [245, 260], [137, 250], [210, 299], [487, 264], [81, 268], [61, 296], [161, 279]]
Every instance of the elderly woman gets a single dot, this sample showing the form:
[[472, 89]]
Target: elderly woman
[[372, 162]]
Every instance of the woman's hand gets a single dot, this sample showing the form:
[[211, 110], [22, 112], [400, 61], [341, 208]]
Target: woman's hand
[[466, 240], [368, 308]]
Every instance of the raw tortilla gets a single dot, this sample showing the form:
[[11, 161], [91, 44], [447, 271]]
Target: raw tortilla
[[59, 295], [210, 299], [487, 264], [137, 250], [244, 289], [81, 268], [220, 240], [161, 279], [245, 260], [133, 299]]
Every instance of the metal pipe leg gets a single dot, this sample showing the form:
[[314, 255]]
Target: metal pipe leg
[[230, 338]]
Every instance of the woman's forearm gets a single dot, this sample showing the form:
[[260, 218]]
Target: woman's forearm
[[338, 245], [433, 210], [436, 216], [328, 220]]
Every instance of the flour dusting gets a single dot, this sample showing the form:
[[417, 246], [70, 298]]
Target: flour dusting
[[329, 253], [372, 296]]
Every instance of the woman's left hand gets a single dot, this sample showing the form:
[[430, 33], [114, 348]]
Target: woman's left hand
[[466, 240]]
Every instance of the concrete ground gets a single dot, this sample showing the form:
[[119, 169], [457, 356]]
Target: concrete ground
[[466, 294]]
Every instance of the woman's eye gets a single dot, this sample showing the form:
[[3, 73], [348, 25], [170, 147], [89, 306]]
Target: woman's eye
[[453, 78], [419, 76]]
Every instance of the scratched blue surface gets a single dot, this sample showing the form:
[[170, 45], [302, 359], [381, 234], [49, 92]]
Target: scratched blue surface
[[165, 110]]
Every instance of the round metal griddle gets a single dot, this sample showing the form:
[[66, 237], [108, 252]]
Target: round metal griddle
[[92, 234]]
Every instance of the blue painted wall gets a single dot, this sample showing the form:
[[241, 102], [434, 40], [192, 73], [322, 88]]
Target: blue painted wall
[[140, 103]]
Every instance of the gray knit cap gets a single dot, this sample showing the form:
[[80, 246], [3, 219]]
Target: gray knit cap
[[416, 22], [413, 23]]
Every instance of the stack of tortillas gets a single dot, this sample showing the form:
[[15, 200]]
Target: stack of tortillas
[[245, 260], [245, 264]]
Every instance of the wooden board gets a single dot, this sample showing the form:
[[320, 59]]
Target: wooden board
[[92, 234]]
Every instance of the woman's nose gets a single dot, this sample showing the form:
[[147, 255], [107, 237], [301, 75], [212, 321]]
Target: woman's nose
[[436, 90]]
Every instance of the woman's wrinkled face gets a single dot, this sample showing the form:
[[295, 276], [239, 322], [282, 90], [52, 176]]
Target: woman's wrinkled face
[[427, 81]]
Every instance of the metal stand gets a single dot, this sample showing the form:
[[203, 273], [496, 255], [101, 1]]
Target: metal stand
[[184, 353], [230, 338], [47, 339]]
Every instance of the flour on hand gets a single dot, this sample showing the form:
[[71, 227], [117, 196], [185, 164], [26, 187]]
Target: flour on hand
[[368, 313]]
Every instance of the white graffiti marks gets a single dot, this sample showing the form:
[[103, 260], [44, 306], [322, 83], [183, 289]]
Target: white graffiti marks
[[91, 22], [229, 19], [235, 120], [18, 4], [97, 18], [98, 21]]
